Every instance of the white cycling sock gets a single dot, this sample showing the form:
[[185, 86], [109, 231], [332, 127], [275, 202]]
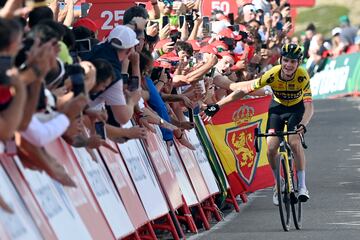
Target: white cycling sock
[[301, 177]]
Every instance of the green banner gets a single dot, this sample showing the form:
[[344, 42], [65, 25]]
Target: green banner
[[212, 157], [340, 76]]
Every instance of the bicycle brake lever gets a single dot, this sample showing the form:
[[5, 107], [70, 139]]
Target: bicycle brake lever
[[302, 139]]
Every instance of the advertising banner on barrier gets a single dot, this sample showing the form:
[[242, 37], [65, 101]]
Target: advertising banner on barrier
[[29, 200], [232, 132], [107, 14], [212, 157], [203, 162], [159, 156], [81, 196], [17, 225], [193, 171], [55, 203], [184, 181], [124, 185], [340, 76], [104, 192], [144, 178]]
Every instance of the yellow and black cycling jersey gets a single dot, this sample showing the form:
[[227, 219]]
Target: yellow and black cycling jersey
[[286, 92]]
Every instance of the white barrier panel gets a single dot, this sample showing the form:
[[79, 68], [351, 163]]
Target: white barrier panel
[[204, 164], [160, 158], [24, 191], [56, 205], [105, 193], [182, 178], [143, 176], [125, 186], [193, 172], [81, 196], [19, 225]]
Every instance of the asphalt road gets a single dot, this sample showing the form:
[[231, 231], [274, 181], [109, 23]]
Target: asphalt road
[[333, 178]]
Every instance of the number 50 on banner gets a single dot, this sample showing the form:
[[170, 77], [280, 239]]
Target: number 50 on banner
[[227, 6]]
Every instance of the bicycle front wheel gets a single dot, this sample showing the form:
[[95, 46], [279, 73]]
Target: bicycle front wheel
[[296, 207], [282, 186]]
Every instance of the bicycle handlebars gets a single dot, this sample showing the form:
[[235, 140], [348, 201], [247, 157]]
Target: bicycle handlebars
[[278, 134]]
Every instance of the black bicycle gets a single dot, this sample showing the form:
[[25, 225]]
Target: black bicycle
[[286, 179]]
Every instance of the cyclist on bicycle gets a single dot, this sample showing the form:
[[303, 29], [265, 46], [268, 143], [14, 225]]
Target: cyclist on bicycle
[[292, 102]]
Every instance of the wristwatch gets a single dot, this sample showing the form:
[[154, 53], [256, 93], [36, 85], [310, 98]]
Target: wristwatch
[[162, 122]]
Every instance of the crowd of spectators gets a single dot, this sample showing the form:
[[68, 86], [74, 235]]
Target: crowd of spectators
[[159, 67], [345, 39]]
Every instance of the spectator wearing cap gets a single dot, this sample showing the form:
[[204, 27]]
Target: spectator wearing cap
[[88, 24], [115, 49], [336, 42], [348, 32]]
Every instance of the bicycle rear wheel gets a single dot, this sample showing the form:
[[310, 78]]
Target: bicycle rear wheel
[[296, 207], [283, 195]]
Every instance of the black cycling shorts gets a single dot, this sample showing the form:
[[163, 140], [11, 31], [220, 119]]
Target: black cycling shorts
[[279, 114]]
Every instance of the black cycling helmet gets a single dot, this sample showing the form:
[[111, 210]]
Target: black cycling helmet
[[291, 50]]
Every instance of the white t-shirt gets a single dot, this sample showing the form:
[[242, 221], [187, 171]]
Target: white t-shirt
[[114, 95]]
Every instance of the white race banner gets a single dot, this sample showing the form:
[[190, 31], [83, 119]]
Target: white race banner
[[144, 178], [19, 225], [204, 164], [184, 182], [105, 192], [55, 203]]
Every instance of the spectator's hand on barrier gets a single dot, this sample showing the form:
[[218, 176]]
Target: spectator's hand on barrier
[[168, 47], [137, 132], [187, 125], [96, 115], [164, 32], [181, 137], [143, 122], [152, 30], [209, 112], [95, 141], [169, 126], [187, 102], [5, 206]]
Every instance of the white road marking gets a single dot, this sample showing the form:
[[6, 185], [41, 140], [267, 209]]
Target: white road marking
[[354, 145]]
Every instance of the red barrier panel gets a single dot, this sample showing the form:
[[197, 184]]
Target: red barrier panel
[[28, 197], [193, 170], [101, 186], [125, 186], [54, 202], [81, 196], [19, 224], [159, 156]]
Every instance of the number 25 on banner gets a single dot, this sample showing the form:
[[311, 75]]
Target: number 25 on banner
[[112, 18], [221, 5]]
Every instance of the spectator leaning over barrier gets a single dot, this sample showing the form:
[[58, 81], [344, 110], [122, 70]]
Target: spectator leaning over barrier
[[117, 47]]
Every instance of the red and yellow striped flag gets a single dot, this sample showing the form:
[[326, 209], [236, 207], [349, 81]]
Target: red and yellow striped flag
[[232, 133]]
